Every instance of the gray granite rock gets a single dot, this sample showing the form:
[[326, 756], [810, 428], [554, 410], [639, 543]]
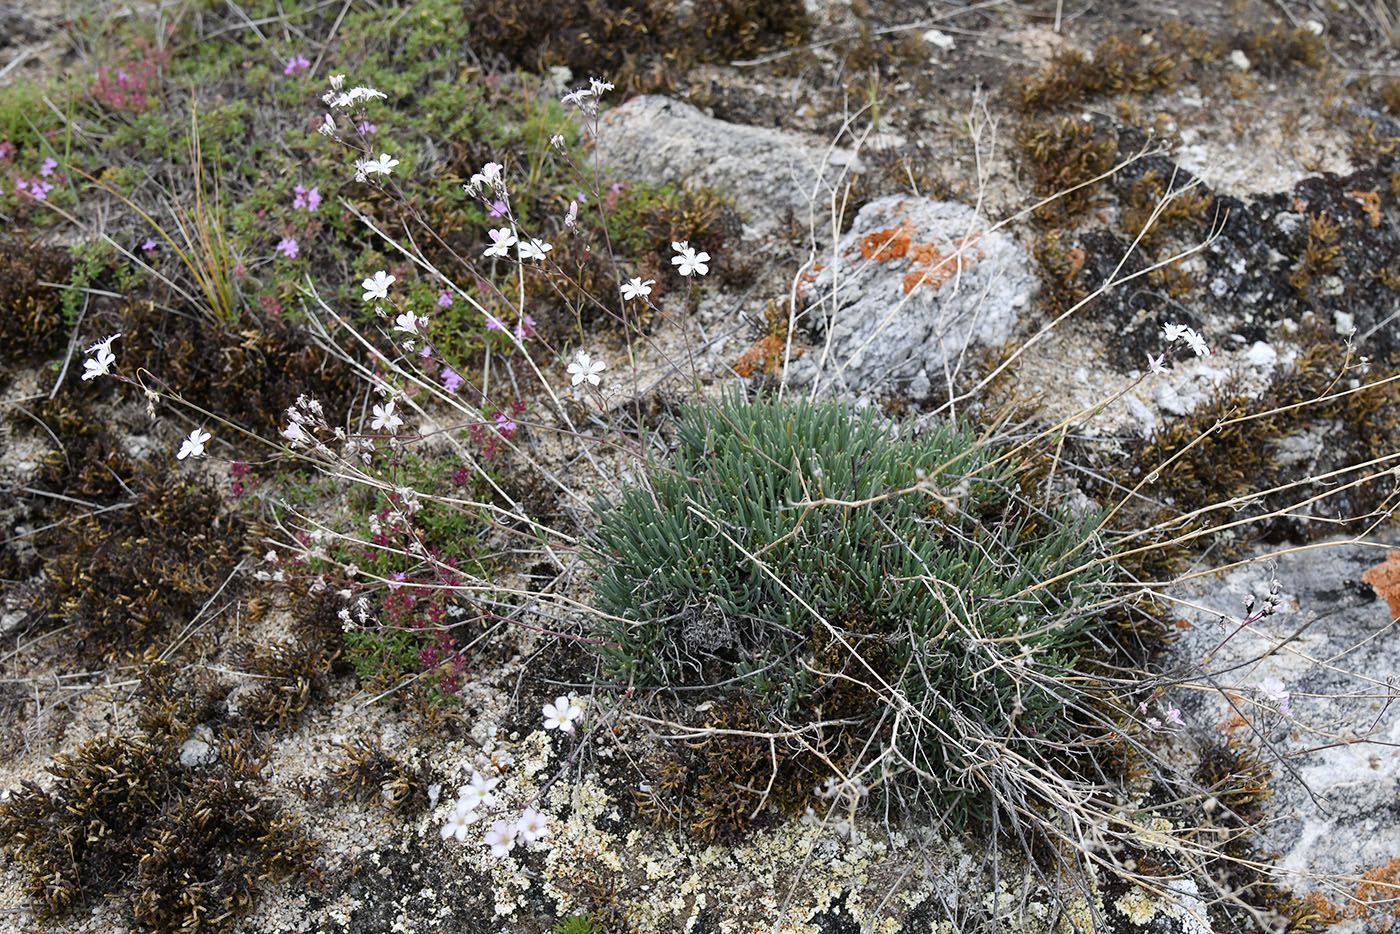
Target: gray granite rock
[[914, 286], [767, 172], [1335, 736]]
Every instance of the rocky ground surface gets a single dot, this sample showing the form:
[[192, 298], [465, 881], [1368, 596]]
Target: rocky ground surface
[[990, 209]]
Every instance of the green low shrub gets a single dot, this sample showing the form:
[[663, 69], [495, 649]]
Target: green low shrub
[[826, 564]]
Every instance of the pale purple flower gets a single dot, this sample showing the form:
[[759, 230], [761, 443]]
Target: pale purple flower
[[525, 327], [494, 324], [367, 128], [296, 64], [444, 299], [49, 165], [287, 246], [1275, 690], [149, 244], [451, 379], [498, 208], [1173, 714], [503, 423]]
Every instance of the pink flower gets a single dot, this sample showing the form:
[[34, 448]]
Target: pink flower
[[49, 165], [525, 327], [444, 299], [450, 379], [287, 246], [1275, 690], [367, 128], [504, 425], [7, 151], [149, 245], [40, 190], [494, 324], [498, 208], [296, 64], [313, 199]]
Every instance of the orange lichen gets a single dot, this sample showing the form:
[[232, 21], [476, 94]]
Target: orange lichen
[[765, 355], [1384, 579], [1370, 203], [890, 243]]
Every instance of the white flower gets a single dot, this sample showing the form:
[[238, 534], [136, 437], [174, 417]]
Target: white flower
[[490, 175], [586, 368], [535, 249], [531, 826], [577, 97], [688, 260], [478, 793], [408, 322], [571, 218], [102, 358], [337, 82], [557, 142], [1175, 332], [598, 86], [457, 823], [380, 166], [385, 419], [1275, 690], [1155, 363], [327, 127], [636, 288], [294, 433], [193, 446], [377, 286], [561, 714], [500, 838], [341, 101], [502, 239]]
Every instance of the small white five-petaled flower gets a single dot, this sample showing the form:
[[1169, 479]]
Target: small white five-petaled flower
[[408, 322], [586, 368], [478, 793], [457, 823], [193, 446], [102, 358], [502, 239], [377, 286], [500, 838], [636, 288], [385, 419], [535, 249], [561, 715], [380, 166], [689, 261], [531, 826]]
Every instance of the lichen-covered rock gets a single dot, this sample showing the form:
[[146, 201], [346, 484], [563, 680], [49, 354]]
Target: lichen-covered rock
[[767, 172], [915, 285], [1313, 686]]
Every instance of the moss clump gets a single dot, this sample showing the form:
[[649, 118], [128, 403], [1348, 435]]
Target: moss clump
[[1065, 153], [122, 576], [31, 314], [179, 847], [371, 775], [1120, 65], [811, 560]]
